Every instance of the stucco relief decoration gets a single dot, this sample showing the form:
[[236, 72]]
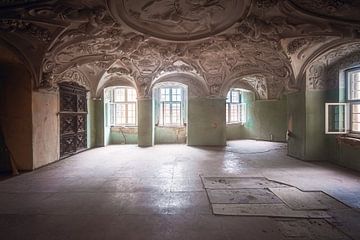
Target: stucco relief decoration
[[265, 4], [20, 26], [73, 75], [155, 37], [15, 3], [347, 10], [180, 19], [320, 74], [258, 83]]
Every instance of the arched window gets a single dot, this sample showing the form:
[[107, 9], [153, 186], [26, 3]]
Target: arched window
[[235, 109], [171, 106], [123, 106]]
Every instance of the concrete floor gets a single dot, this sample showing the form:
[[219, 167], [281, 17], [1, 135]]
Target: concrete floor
[[126, 192]]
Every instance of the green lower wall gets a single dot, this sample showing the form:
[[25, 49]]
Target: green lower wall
[[296, 124], [315, 143], [99, 118], [206, 122], [145, 137], [306, 120], [266, 120], [170, 135], [123, 135], [347, 156], [91, 121]]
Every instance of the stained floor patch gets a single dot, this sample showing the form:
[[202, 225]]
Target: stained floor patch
[[310, 229], [242, 196]]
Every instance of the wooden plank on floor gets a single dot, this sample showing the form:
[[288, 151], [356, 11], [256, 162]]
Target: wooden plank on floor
[[240, 182], [265, 210], [300, 200], [242, 196]]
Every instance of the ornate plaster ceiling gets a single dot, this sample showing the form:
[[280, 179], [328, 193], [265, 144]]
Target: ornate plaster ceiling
[[347, 10], [210, 45], [179, 20]]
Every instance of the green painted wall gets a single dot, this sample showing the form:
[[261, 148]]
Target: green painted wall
[[124, 135], [315, 144], [91, 121], [99, 118], [306, 118], [347, 156], [206, 122], [145, 127], [266, 120], [296, 116], [170, 135]]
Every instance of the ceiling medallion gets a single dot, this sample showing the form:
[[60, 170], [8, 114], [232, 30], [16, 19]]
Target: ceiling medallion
[[179, 20]]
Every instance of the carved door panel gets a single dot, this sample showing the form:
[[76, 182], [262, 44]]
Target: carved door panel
[[73, 116]]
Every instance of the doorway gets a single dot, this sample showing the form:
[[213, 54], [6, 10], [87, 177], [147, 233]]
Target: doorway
[[73, 119]]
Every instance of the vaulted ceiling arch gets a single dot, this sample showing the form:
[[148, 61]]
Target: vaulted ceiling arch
[[276, 38]]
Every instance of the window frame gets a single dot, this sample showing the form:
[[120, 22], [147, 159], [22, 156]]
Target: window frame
[[349, 100], [171, 103], [346, 116], [114, 104], [240, 106]]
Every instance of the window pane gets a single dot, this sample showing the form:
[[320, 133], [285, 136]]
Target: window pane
[[167, 115], [234, 113], [112, 114], [164, 94], [241, 111], [227, 113], [176, 94], [354, 85], [131, 95], [228, 96], [176, 113], [131, 113], [355, 108], [170, 106], [119, 95], [120, 114], [235, 96], [355, 118], [336, 118]]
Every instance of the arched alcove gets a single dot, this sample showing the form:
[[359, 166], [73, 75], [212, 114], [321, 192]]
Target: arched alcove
[[170, 111]]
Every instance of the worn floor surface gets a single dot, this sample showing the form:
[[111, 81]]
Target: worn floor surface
[[126, 192]]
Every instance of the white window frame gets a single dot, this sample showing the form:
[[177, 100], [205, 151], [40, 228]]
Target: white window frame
[[242, 106], [351, 101], [113, 104], [171, 103], [346, 116]]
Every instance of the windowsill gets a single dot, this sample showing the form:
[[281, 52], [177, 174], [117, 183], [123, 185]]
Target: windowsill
[[170, 126], [351, 139], [130, 126], [236, 123]]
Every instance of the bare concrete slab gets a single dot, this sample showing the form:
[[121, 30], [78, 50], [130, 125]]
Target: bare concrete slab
[[310, 229], [265, 210], [240, 182], [300, 200], [242, 196]]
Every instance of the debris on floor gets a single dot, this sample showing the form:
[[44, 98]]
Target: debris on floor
[[302, 214]]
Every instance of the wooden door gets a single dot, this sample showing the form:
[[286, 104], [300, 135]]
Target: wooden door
[[73, 118]]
